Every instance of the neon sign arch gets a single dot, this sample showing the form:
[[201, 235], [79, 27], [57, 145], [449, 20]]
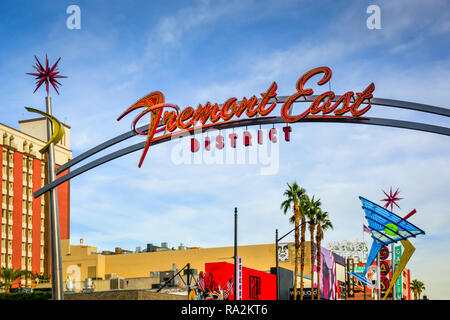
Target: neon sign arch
[[326, 107]]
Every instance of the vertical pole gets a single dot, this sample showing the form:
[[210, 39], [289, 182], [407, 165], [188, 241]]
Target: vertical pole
[[235, 254], [276, 263], [392, 269], [55, 241], [364, 291], [378, 277], [188, 278]]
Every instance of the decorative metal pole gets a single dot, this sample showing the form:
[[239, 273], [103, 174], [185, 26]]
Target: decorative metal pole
[[378, 277], [393, 269], [48, 76], [55, 240]]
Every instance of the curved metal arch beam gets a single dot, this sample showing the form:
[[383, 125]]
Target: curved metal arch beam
[[374, 101], [234, 124]]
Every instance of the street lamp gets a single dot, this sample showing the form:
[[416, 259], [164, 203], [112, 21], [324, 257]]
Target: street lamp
[[48, 75], [276, 257]]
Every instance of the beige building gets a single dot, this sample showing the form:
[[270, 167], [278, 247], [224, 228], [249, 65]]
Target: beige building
[[140, 270]]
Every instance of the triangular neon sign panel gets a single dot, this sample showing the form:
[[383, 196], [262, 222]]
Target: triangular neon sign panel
[[386, 226]]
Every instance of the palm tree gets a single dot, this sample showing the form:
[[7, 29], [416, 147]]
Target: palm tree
[[304, 207], [40, 276], [294, 195], [417, 287], [323, 224], [9, 275], [311, 213]]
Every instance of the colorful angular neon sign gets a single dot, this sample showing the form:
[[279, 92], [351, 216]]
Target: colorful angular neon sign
[[386, 227]]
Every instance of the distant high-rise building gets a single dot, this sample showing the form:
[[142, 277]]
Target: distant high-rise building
[[25, 220]]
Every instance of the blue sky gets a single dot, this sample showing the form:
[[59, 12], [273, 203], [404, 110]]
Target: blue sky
[[202, 51]]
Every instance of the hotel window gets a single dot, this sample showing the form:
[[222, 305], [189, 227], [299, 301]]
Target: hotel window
[[4, 198], [4, 169], [29, 233], [30, 221], [42, 209], [3, 243], [10, 229], [23, 261], [24, 204], [30, 205], [4, 184], [9, 244], [10, 187], [10, 200], [29, 261], [24, 232], [30, 192], [24, 159], [10, 215], [29, 247], [3, 228], [24, 246], [11, 159], [24, 218], [42, 236], [9, 259], [42, 222], [10, 172], [42, 250], [30, 164]]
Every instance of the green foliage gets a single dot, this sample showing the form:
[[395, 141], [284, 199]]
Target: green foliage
[[37, 295], [9, 275], [417, 287]]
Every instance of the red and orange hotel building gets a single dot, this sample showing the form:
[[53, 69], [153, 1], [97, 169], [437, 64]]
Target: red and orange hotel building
[[25, 220]]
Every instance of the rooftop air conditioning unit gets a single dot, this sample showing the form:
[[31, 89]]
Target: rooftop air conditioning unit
[[166, 276], [117, 284]]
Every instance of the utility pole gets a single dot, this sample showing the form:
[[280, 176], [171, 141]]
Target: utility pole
[[276, 262]]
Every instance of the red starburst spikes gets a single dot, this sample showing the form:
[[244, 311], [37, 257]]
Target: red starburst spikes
[[391, 199], [47, 75]]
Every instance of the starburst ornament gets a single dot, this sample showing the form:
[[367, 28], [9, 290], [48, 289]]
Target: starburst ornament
[[47, 75], [391, 199]]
